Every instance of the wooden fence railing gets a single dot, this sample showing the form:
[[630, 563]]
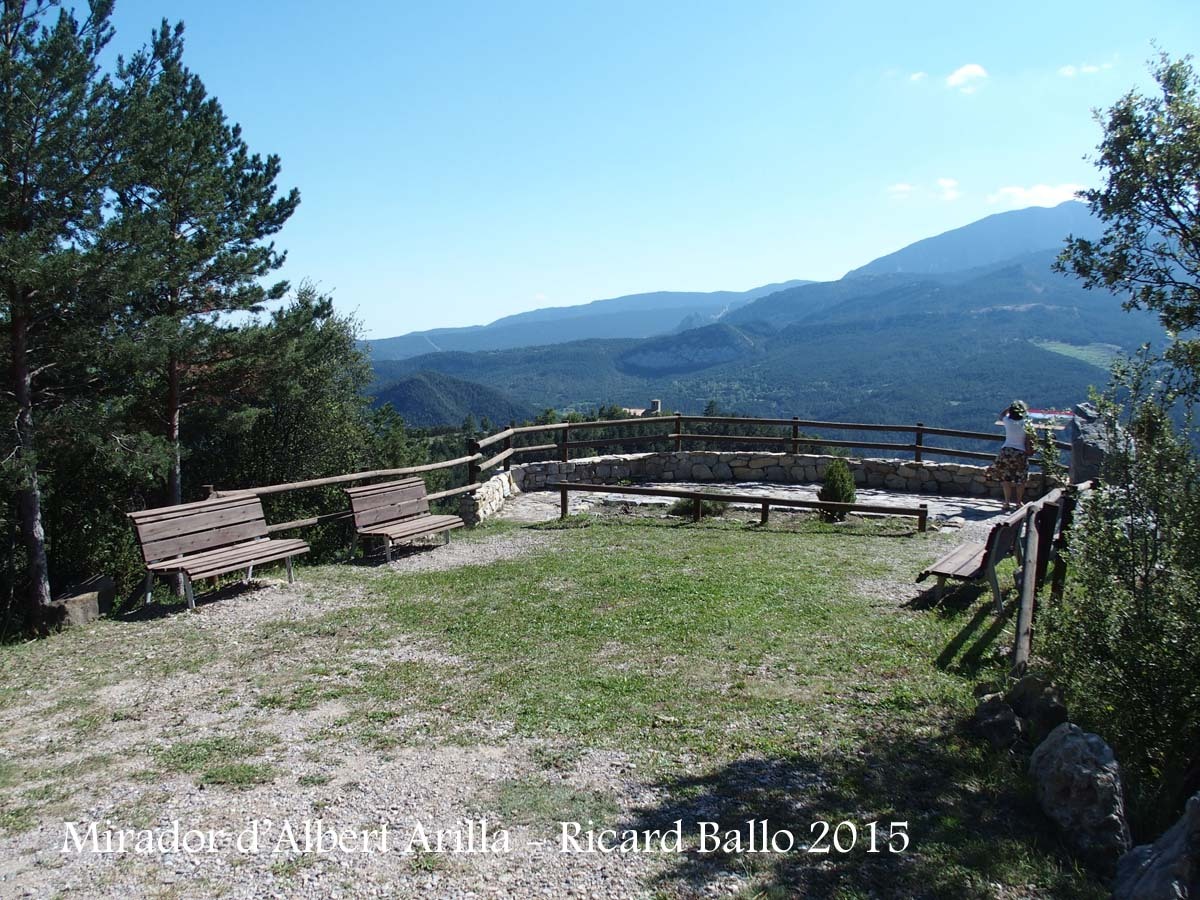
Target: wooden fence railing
[[1048, 524], [502, 447]]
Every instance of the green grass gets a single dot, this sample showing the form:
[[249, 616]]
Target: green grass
[[1098, 355], [737, 671]]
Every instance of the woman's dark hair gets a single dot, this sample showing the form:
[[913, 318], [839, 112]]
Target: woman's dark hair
[[1015, 412]]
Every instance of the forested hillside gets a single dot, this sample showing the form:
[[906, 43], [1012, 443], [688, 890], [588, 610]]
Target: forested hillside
[[948, 347]]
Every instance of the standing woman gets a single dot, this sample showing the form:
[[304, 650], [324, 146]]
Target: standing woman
[[1011, 467]]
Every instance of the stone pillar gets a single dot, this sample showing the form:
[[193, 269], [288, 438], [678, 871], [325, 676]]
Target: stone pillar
[[1089, 443]]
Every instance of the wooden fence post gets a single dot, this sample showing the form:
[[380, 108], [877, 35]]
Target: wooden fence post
[[923, 518], [508, 443], [564, 450], [795, 435], [697, 509], [1047, 524], [1024, 638], [766, 513], [1058, 578], [678, 432], [562, 503], [920, 441], [473, 465]]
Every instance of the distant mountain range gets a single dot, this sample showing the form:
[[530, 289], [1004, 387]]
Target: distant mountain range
[[637, 315], [945, 331]]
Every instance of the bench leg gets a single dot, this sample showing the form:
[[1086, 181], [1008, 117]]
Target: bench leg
[[387, 549], [249, 574], [939, 588], [187, 590], [996, 596], [291, 574], [447, 537], [149, 587]]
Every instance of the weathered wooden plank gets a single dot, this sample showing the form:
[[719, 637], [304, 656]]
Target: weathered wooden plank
[[392, 512], [1023, 642], [496, 438], [452, 492], [274, 555], [164, 513], [965, 562], [416, 527], [161, 529], [497, 459], [236, 556], [367, 490], [362, 502], [204, 540]]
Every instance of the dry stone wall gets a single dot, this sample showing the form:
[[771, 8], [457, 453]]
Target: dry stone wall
[[703, 466]]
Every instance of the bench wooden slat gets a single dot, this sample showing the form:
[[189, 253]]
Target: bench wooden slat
[[205, 540], [239, 556], [161, 513], [388, 498], [267, 554], [367, 490], [417, 527], [392, 512], [964, 561], [161, 529]]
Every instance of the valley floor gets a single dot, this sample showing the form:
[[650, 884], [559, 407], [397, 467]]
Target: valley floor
[[618, 669]]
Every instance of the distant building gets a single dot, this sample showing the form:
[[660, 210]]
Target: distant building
[[654, 410]]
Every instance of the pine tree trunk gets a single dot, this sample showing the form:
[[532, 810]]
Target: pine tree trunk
[[175, 475], [29, 495]]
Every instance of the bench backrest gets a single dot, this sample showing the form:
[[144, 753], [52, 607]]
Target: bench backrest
[[390, 501], [171, 531], [1002, 541]]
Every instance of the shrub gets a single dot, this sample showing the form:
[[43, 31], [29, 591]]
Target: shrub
[[708, 508], [1125, 642], [838, 487]]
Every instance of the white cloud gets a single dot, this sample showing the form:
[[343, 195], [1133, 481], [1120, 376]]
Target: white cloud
[[1070, 71], [949, 188], [1035, 195], [966, 78], [900, 191], [918, 76]]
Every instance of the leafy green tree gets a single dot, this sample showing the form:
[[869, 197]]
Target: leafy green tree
[[1150, 206], [60, 139], [196, 211]]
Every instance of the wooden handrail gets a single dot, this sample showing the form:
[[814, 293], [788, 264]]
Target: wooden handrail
[[343, 479], [921, 513], [495, 438]]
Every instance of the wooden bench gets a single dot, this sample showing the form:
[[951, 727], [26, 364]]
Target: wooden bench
[[209, 538], [397, 511], [974, 560]]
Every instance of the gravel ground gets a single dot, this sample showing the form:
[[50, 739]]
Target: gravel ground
[[323, 771]]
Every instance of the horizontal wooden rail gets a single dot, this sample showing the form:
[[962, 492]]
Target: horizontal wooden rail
[[343, 479], [497, 459], [921, 513], [632, 439], [538, 448], [451, 492], [496, 438], [305, 523]]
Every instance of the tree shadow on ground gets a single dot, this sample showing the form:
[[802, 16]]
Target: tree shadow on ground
[[974, 830]]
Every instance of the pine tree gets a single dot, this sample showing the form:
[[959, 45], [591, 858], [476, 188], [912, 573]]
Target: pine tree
[[60, 137], [196, 212]]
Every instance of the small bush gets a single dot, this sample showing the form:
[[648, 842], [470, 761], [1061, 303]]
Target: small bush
[[1125, 641], [708, 508], [837, 488]]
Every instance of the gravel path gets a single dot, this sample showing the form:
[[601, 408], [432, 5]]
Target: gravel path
[[100, 757]]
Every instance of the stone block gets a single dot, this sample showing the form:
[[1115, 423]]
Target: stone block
[[85, 602]]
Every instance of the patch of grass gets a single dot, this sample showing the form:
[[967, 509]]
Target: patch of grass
[[542, 804], [709, 509], [220, 760], [1098, 355]]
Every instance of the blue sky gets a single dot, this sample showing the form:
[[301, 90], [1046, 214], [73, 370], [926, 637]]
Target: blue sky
[[462, 161]]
